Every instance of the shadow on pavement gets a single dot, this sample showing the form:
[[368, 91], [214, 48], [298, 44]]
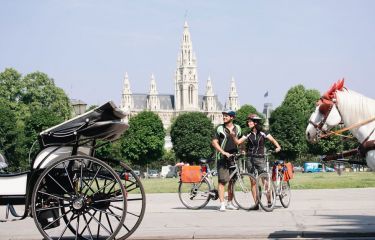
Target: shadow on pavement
[[348, 226], [205, 208]]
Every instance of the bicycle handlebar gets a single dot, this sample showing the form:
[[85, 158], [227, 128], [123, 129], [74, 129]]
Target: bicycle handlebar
[[237, 155]]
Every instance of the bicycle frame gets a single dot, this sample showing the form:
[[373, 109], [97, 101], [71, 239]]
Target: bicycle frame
[[197, 195], [282, 186]]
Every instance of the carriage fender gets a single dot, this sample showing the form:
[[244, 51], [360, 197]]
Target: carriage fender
[[52, 154]]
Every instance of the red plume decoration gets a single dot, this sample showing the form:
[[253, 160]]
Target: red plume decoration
[[340, 84], [337, 86]]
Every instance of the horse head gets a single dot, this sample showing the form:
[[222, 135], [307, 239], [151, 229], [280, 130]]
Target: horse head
[[326, 114]]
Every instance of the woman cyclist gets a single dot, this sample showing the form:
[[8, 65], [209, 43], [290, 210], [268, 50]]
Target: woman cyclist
[[255, 147]]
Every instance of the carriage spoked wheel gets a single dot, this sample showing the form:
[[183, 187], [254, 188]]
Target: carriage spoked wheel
[[136, 199], [79, 197]]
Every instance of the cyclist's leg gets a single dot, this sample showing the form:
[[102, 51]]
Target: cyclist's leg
[[251, 169], [267, 192], [265, 181], [230, 184], [223, 177], [221, 190], [254, 188]]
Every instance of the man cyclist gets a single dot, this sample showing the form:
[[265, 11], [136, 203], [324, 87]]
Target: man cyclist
[[255, 147], [225, 147]]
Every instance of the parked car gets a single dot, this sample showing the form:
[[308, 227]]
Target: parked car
[[137, 172], [297, 169], [153, 173], [311, 167]]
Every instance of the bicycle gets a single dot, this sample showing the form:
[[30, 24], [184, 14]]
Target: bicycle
[[266, 190], [282, 185], [197, 195]]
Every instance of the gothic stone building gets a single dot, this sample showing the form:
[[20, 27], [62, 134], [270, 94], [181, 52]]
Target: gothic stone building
[[185, 98]]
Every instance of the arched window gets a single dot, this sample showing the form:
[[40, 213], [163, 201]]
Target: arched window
[[190, 93], [181, 97]]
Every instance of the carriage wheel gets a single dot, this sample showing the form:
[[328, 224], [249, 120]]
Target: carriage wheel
[[82, 194], [136, 200]]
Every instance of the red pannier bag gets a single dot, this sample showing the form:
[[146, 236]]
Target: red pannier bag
[[278, 166], [191, 174], [288, 174]]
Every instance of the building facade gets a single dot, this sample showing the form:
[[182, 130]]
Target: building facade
[[186, 97]]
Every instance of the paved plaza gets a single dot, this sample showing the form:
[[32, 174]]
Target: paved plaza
[[312, 214]]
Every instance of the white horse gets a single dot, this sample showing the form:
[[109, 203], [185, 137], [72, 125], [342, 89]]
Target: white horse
[[355, 111]]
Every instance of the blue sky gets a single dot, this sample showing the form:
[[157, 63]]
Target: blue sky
[[87, 46]]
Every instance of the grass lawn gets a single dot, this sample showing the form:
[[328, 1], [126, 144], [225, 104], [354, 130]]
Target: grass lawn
[[300, 181]]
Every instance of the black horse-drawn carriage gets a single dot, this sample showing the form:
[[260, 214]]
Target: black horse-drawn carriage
[[68, 191]]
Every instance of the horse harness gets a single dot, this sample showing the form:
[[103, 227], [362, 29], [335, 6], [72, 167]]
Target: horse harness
[[325, 107]]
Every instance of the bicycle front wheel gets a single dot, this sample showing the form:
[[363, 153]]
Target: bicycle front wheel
[[285, 193], [267, 193], [195, 195], [245, 191]]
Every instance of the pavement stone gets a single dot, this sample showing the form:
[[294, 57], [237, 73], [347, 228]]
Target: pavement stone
[[312, 214]]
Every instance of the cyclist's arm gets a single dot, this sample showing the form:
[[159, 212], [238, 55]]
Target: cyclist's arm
[[274, 142], [216, 145], [236, 140]]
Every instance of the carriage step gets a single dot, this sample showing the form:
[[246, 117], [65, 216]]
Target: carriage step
[[11, 211]]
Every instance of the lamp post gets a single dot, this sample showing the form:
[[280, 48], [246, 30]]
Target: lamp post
[[79, 107]]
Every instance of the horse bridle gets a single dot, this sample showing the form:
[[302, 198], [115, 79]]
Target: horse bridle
[[325, 108]]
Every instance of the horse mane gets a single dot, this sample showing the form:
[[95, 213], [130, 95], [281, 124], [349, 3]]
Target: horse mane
[[354, 107]]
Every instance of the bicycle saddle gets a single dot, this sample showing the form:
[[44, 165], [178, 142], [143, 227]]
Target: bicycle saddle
[[205, 161], [279, 162]]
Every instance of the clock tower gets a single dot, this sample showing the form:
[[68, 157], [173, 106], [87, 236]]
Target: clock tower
[[186, 78]]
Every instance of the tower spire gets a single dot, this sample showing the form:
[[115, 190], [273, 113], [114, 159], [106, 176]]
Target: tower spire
[[209, 88], [126, 99], [153, 90], [153, 102], [186, 79], [233, 96], [209, 103], [126, 85]]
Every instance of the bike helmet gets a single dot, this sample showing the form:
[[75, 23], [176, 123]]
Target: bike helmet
[[254, 117], [230, 113]]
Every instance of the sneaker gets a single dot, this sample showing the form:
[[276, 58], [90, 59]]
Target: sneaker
[[255, 208], [222, 208], [269, 204], [230, 206]]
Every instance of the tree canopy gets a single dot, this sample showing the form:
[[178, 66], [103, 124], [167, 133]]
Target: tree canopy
[[288, 122], [143, 142], [241, 116], [191, 136], [29, 105]]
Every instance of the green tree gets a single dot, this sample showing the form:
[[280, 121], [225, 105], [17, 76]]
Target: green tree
[[11, 88], [11, 85], [191, 136], [8, 131], [38, 121], [40, 91], [143, 142], [288, 122], [241, 116], [35, 103]]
